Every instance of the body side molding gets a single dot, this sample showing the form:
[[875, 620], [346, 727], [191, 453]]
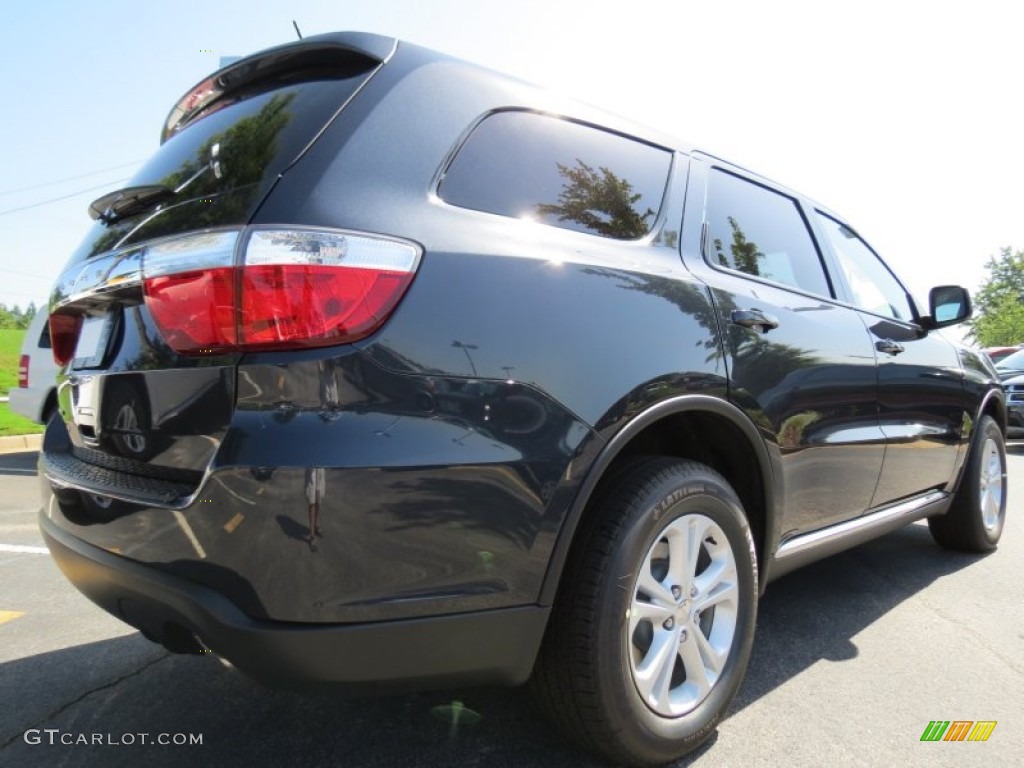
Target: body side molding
[[804, 549]]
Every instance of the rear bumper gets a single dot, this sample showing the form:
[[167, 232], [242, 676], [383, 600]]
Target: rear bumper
[[487, 647], [391, 498]]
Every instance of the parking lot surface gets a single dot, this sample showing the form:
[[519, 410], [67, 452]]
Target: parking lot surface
[[854, 657]]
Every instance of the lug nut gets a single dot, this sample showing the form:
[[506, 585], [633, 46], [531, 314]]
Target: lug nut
[[693, 591], [676, 592], [682, 636], [669, 623]]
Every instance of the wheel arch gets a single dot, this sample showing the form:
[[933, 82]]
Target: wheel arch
[[993, 405], [701, 428]]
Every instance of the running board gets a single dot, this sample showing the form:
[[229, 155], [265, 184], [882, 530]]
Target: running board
[[806, 548]]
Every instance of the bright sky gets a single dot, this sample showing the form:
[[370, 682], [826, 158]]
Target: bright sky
[[902, 116]]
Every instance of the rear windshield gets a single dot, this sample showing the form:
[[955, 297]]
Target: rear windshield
[[226, 158], [248, 136], [558, 172]]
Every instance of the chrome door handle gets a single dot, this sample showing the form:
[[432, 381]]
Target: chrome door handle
[[888, 346], [754, 319]]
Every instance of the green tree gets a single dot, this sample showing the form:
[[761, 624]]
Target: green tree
[[599, 201], [999, 303], [745, 254], [15, 318]]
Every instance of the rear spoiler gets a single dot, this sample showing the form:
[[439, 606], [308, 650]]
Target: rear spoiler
[[333, 54]]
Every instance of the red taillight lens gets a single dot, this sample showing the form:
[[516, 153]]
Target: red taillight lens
[[285, 289], [190, 288], [64, 331], [287, 305], [195, 310], [23, 372]]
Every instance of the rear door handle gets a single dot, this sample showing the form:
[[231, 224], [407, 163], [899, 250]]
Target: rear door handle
[[755, 319], [888, 346]]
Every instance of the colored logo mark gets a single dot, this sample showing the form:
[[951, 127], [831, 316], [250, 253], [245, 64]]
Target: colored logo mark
[[958, 730]]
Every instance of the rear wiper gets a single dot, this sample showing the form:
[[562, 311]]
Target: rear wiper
[[114, 206], [118, 205]]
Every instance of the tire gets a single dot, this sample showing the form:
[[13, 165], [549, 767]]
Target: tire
[[975, 519], [599, 674]]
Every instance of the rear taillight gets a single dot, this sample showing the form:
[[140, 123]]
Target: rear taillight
[[64, 331], [190, 285], [284, 288], [23, 372]]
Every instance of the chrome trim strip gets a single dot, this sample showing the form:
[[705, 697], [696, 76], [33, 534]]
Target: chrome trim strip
[[111, 272], [809, 541], [115, 270]]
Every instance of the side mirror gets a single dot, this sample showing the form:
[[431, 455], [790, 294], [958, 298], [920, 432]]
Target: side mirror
[[947, 305]]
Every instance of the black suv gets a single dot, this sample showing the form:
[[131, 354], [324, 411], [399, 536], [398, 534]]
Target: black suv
[[388, 369]]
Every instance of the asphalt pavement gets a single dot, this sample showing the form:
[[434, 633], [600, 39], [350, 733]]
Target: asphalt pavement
[[854, 657]]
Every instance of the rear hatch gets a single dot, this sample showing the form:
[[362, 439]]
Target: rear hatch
[[145, 316]]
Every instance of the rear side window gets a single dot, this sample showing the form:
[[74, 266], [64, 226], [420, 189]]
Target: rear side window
[[44, 336], [758, 231], [569, 175]]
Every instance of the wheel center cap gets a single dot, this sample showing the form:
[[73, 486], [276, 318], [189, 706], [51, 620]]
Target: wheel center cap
[[683, 611]]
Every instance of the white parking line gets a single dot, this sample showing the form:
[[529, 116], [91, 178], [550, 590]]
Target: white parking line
[[190, 534], [24, 548]]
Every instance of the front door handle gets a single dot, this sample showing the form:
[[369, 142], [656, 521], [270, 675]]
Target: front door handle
[[888, 346], [755, 319]]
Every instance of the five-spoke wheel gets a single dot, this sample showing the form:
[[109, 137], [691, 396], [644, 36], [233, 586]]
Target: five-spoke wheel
[[650, 636]]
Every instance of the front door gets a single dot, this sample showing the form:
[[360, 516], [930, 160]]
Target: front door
[[921, 393]]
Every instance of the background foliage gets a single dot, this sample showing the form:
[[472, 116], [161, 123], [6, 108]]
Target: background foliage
[[999, 303]]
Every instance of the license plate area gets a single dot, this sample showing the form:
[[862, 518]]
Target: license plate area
[[93, 340]]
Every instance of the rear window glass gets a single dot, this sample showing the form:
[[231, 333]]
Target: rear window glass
[[229, 155], [248, 137], [554, 171]]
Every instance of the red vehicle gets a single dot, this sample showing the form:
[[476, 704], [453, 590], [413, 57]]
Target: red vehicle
[[998, 353]]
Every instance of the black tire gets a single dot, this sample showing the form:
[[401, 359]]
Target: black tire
[[589, 673], [975, 519]]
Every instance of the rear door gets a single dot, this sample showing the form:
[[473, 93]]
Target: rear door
[[800, 363]]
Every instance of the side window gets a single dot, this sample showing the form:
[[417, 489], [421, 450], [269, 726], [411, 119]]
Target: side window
[[755, 230], [44, 337], [873, 286], [569, 175]]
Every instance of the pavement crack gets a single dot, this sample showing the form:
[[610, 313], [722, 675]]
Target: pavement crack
[[982, 640], [64, 707]]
